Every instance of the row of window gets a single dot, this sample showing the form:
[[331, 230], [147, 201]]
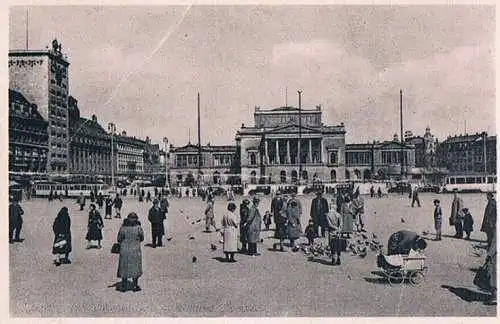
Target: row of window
[[131, 149]]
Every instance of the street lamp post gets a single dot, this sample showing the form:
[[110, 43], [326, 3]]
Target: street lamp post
[[112, 130], [165, 141], [300, 136]]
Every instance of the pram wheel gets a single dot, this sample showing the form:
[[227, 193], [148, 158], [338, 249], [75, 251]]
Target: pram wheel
[[395, 277], [417, 278]]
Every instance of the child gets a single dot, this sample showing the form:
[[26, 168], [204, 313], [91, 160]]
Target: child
[[468, 223], [310, 232], [267, 220]]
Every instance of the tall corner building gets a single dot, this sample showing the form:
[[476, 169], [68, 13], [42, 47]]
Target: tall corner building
[[41, 76]]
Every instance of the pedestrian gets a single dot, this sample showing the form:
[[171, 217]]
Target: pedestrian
[[456, 217], [156, 218], [276, 205], [359, 207], [230, 233], [62, 237], [109, 208], [156, 192], [148, 197], [310, 232], [348, 212], [81, 201], [94, 227], [403, 241], [281, 223], [319, 209], [379, 192], [438, 219], [130, 237], [187, 193], [164, 205], [92, 198], [340, 201], [209, 217], [414, 195], [244, 210], [294, 228], [16, 213], [253, 226], [489, 224], [100, 200], [468, 223], [372, 191], [118, 202], [267, 220], [51, 195], [336, 242]]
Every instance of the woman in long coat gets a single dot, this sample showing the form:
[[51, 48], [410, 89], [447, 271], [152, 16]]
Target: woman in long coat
[[230, 226], [294, 228], [94, 227], [62, 233], [130, 237], [348, 213], [253, 226]]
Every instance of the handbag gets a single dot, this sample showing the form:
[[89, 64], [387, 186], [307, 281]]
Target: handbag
[[482, 278], [115, 249], [60, 242]]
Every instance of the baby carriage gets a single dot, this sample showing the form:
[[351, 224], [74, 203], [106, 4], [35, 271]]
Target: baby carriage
[[400, 267]]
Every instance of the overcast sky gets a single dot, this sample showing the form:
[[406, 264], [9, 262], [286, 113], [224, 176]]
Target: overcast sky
[[141, 67]]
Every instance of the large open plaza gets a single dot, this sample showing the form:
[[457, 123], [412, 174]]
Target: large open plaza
[[273, 284]]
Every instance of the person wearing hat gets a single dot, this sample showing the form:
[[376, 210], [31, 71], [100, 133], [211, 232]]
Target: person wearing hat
[[468, 223], [489, 225], [438, 219], [253, 226], [319, 210], [456, 217], [244, 210], [15, 220], [276, 205], [130, 237], [94, 227], [156, 218], [62, 237]]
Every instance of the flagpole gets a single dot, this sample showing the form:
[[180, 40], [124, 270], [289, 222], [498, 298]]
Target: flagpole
[[27, 19]]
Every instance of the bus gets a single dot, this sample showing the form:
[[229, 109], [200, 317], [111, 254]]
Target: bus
[[469, 183], [69, 190]]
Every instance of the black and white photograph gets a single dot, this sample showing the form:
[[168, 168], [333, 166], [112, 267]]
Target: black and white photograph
[[245, 161]]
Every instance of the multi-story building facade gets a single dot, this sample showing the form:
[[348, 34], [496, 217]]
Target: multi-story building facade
[[280, 146], [378, 160], [28, 138], [154, 164], [475, 153], [129, 156], [42, 77], [216, 165], [425, 148], [90, 147]]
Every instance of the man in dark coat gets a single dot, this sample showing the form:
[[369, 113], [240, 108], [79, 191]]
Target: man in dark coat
[[276, 206], [402, 242], [244, 210], [489, 224], [414, 196], [340, 200], [118, 202], [457, 216], [15, 220], [81, 201], [156, 217], [319, 210]]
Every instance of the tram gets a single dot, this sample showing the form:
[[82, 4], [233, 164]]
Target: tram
[[469, 183], [70, 190]]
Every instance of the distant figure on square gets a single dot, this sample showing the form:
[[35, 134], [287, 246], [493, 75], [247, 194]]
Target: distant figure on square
[[16, 213], [438, 219], [456, 217], [156, 218], [489, 224], [267, 220], [130, 237], [118, 202], [310, 232], [379, 192], [94, 227], [230, 233], [62, 237], [414, 197], [109, 208], [210, 217], [164, 205], [81, 201], [468, 223], [244, 210]]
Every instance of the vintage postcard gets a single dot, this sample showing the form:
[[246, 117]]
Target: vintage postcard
[[247, 161]]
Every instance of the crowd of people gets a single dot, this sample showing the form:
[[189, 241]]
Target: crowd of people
[[335, 220]]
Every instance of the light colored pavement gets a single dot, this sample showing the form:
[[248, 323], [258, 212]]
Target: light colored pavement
[[274, 284]]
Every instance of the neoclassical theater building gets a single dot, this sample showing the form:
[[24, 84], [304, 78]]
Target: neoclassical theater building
[[278, 146]]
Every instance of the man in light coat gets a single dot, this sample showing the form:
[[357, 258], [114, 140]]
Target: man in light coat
[[253, 226]]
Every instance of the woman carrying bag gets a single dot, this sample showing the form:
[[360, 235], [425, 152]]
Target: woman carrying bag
[[62, 237]]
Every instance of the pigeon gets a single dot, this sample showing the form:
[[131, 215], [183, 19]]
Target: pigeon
[[198, 220], [364, 236], [195, 259], [425, 233], [181, 211], [402, 220], [187, 217], [191, 237], [213, 247], [192, 223], [261, 240], [349, 277], [374, 236]]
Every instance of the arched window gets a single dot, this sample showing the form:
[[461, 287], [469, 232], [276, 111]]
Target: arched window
[[333, 176]]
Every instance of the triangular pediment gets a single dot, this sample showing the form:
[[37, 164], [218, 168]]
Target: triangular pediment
[[292, 128], [190, 148]]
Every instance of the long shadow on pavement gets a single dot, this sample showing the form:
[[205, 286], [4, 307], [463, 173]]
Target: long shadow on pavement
[[467, 294], [318, 260], [469, 240]]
